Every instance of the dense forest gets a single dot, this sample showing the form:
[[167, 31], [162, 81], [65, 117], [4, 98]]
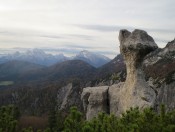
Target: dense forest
[[132, 120]]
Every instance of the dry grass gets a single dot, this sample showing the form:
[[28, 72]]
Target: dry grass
[[33, 121]]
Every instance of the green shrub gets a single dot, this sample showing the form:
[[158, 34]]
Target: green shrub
[[8, 118], [133, 120]]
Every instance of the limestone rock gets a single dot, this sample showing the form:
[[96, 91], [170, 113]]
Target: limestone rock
[[134, 47], [114, 98], [136, 39], [63, 94], [166, 95], [95, 100], [171, 45], [69, 96]]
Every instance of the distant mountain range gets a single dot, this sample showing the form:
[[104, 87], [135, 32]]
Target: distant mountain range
[[35, 85], [38, 56], [83, 66]]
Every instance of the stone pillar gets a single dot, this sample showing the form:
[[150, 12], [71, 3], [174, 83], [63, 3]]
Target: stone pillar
[[134, 47]]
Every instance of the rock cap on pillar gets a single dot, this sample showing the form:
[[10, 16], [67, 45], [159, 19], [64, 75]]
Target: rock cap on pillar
[[137, 39]]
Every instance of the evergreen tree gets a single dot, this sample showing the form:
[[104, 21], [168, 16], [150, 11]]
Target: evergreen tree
[[74, 121], [8, 118], [52, 119]]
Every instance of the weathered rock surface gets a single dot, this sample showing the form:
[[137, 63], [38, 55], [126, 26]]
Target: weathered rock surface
[[168, 52], [62, 96], [114, 98], [135, 91], [95, 100], [166, 96], [68, 96], [170, 47]]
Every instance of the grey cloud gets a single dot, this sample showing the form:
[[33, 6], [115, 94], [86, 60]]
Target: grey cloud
[[19, 33], [161, 40], [102, 28], [68, 36], [73, 50], [75, 45], [160, 30], [72, 47], [28, 33], [85, 37], [112, 28], [63, 50], [34, 33], [52, 36]]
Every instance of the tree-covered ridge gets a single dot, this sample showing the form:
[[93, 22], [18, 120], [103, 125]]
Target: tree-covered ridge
[[132, 120]]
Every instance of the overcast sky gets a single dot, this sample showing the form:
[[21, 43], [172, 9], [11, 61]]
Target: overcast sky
[[74, 25]]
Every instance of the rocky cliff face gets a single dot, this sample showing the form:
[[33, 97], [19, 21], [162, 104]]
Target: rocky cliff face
[[68, 96], [160, 69], [135, 91]]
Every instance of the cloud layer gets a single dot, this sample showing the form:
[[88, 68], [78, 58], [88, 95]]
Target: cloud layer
[[82, 24]]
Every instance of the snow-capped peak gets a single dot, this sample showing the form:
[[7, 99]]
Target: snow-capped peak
[[92, 58], [35, 52], [87, 54], [84, 53], [37, 56]]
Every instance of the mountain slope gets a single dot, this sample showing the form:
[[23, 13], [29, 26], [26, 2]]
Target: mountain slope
[[19, 71], [115, 65], [160, 65], [70, 69]]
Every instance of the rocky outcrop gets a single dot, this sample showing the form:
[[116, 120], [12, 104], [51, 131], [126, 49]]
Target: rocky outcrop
[[62, 96], [170, 47], [166, 53], [68, 96], [165, 95], [134, 92], [95, 100], [159, 66]]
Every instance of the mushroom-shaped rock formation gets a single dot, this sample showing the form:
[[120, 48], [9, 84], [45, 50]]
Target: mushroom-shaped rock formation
[[135, 91]]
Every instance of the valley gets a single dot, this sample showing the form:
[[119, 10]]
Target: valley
[[6, 83]]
